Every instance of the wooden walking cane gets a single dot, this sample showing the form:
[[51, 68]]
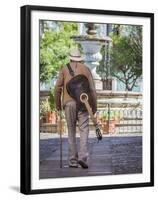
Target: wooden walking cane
[[60, 133]]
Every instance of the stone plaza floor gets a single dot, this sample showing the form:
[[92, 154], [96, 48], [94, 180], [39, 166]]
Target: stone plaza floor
[[121, 154]]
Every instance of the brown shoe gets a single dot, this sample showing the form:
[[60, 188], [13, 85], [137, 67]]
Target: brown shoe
[[73, 164], [83, 164]]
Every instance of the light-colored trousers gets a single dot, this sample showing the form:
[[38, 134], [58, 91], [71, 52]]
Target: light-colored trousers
[[72, 116]]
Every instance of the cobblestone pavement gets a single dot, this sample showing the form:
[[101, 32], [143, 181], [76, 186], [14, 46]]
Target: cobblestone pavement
[[112, 155]]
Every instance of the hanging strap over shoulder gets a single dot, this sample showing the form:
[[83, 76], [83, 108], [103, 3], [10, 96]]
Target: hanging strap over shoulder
[[70, 70]]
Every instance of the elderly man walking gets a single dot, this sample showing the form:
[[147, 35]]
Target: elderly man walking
[[73, 113]]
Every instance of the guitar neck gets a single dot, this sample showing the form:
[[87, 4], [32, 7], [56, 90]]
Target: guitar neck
[[89, 109]]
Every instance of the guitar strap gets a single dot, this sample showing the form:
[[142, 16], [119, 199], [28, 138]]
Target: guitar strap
[[70, 70]]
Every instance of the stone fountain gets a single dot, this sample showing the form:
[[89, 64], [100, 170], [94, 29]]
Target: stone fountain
[[91, 45]]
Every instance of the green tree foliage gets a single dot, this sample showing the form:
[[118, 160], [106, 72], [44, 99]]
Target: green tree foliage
[[55, 46], [51, 99], [126, 55]]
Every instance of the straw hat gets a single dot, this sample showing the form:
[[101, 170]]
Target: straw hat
[[75, 55]]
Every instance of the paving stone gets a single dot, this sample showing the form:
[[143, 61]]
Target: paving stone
[[113, 155]]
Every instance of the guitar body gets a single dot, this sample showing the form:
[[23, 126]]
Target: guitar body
[[76, 86]]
